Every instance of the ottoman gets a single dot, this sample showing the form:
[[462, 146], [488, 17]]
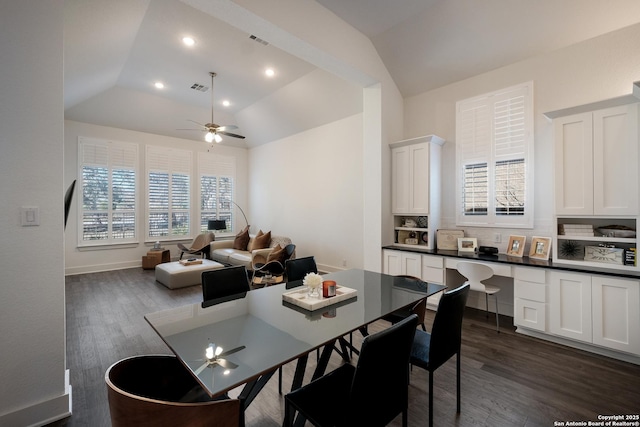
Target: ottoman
[[175, 275]]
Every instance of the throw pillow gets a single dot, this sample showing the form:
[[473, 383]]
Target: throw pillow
[[277, 254], [241, 240], [250, 246], [261, 241]]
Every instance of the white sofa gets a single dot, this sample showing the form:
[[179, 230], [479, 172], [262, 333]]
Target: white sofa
[[222, 251]]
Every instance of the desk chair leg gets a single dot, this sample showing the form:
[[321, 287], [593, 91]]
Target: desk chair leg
[[486, 301], [497, 319], [280, 380]]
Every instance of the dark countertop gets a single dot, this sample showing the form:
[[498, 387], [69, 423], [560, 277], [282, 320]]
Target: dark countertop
[[521, 262]]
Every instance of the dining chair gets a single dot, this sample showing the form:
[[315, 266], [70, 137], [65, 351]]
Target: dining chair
[[419, 308], [224, 282], [372, 393], [158, 391], [297, 268], [475, 273], [432, 350]]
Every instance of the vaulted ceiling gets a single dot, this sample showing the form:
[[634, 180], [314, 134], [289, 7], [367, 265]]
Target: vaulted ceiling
[[116, 50]]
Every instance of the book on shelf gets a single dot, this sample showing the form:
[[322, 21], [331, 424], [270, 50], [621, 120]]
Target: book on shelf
[[630, 256], [576, 230]]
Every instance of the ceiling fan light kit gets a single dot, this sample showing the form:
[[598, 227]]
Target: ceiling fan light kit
[[214, 131]]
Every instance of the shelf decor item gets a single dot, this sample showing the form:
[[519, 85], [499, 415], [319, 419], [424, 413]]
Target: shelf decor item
[[540, 248], [312, 281], [516, 246], [447, 240], [467, 244], [569, 249], [604, 253], [423, 221]]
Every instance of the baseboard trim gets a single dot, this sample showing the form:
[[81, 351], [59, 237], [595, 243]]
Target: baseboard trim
[[625, 357], [97, 268], [42, 413]]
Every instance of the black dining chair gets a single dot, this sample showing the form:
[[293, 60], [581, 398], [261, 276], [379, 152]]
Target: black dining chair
[[297, 268], [372, 393], [432, 350], [224, 282], [419, 308]]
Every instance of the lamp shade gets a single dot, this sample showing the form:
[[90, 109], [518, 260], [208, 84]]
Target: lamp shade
[[217, 224]]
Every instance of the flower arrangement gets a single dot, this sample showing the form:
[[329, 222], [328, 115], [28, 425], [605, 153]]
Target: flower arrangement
[[312, 280]]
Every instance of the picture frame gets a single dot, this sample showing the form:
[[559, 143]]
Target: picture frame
[[540, 248], [467, 244], [516, 246]]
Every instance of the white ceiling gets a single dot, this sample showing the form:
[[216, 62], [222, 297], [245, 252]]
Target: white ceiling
[[116, 50]]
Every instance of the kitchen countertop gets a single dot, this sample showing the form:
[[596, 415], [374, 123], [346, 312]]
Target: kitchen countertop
[[521, 262]]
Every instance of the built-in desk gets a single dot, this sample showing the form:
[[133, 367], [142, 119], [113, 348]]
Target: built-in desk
[[595, 309]]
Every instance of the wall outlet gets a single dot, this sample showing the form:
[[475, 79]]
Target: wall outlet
[[497, 238], [344, 262]]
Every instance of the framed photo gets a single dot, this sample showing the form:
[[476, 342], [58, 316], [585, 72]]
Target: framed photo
[[516, 246], [540, 248], [467, 244]]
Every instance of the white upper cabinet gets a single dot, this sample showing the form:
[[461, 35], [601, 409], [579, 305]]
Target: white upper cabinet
[[414, 165], [596, 162]]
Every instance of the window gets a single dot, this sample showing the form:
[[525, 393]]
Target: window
[[108, 172], [168, 192], [217, 177], [494, 157]]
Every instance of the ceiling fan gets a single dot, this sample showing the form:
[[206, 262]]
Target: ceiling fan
[[213, 131], [215, 356]]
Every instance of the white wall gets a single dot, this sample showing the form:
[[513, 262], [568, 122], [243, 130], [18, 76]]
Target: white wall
[[309, 187], [594, 70], [32, 309], [104, 258]]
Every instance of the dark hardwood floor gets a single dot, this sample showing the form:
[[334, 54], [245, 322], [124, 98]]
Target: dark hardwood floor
[[507, 379]]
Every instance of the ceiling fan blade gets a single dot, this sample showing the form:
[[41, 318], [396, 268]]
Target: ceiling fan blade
[[234, 135], [199, 124], [197, 130], [226, 364], [227, 127], [201, 368], [233, 350]]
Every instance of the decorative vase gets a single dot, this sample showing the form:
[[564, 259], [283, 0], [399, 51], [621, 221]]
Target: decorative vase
[[313, 292]]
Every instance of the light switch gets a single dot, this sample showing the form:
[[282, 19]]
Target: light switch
[[29, 216]]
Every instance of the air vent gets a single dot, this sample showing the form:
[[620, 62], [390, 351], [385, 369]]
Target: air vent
[[259, 40], [199, 87]]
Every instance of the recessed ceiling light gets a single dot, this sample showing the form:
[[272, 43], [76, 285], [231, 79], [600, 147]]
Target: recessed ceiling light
[[159, 85], [270, 72], [226, 103], [189, 41]]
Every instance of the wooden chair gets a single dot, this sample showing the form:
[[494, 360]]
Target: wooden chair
[[432, 350], [372, 393], [157, 391]]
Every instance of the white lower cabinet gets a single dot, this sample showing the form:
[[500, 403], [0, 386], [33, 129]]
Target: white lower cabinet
[[616, 313], [429, 268], [530, 294], [570, 305], [601, 310]]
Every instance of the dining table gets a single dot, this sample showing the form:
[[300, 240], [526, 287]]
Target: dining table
[[243, 339]]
